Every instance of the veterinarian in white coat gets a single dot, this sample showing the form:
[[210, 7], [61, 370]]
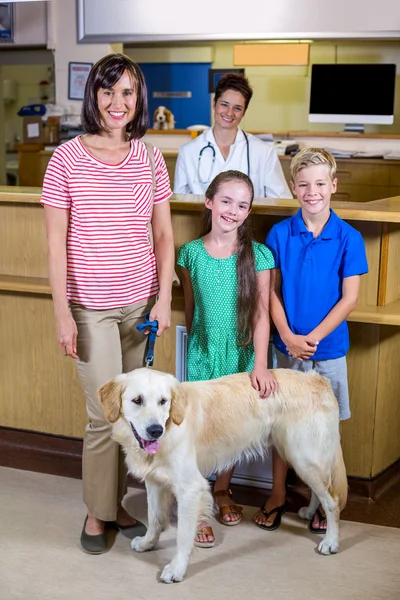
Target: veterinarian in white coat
[[225, 146]]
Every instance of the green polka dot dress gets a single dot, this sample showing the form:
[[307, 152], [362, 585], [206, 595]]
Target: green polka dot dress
[[212, 347]]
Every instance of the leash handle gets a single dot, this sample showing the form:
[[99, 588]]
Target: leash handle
[[152, 336]]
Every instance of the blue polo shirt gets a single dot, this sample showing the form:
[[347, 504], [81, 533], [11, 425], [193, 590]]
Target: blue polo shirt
[[312, 271]]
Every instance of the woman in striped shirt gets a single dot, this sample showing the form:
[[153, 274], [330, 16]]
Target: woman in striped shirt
[[98, 200]]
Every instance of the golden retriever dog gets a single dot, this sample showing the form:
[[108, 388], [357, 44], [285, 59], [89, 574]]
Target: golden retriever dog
[[176, 434]]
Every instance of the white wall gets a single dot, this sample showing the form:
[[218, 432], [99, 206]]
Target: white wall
[[63, 34], [141, 20]]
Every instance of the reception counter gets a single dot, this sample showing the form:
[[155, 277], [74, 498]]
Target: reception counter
[[39, 387]]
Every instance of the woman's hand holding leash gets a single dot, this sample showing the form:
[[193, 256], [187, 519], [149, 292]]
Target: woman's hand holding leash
[[161, 312]]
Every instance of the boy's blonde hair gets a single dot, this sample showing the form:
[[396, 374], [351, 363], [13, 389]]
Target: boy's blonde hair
[[309, 157]]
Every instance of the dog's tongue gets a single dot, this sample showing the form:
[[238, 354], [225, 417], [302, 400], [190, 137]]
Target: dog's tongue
[[150, 446]]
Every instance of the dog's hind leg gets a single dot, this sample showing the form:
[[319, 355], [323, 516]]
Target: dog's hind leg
[[308, 512], [321, 493], [194, 502], [158, 507]]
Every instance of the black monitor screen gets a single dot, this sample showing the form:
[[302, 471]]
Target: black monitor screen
[[353, 89]]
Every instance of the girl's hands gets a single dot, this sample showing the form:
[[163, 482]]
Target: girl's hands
[[67, 335], [263, 381], [161, 312], [302, 347]]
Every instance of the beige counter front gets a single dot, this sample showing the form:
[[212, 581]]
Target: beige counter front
[[39, 387]]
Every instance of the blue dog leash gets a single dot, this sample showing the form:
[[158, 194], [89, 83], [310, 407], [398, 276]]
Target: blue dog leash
[[153, 327]]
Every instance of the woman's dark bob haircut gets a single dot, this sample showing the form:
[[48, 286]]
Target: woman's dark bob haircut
[[104, 75], [236, 82]]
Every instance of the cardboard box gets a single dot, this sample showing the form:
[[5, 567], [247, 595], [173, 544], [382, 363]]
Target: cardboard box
[[33, 130]]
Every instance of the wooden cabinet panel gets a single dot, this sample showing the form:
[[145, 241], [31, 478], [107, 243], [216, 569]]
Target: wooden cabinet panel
[[358, 432], [360, 193], [170, 162], [386, 448], [40, 390], [365, 173], [29, 165], [394, 191], [394, 178]]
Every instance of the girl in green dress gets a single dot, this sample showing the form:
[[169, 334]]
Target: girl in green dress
[[225, 277]]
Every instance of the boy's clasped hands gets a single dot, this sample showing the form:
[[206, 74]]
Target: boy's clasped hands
[[302, 347]]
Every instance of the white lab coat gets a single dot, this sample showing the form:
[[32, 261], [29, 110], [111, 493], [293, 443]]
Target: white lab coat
[[193, 176]]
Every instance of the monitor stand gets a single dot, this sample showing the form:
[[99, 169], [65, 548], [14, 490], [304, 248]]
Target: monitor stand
[[354, 128]]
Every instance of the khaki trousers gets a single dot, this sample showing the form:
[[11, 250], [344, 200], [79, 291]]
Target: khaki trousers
[[108, 344]]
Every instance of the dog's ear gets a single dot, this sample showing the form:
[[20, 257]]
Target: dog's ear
[[178, 404], [110, 395]]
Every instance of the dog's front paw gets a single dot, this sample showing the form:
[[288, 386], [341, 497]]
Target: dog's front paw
[[141, 544], [172, 573], [327, 546], [304, 513]]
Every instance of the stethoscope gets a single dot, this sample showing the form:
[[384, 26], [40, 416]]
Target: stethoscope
[[211, 147]]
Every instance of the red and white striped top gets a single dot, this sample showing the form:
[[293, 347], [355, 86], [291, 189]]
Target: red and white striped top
[[110, 261]]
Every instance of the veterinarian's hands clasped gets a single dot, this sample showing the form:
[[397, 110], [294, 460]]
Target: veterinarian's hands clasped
[[301, 347], [263, 381], [67, 335]]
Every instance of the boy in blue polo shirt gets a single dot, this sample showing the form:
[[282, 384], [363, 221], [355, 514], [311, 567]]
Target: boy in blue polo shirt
[[319, 259]]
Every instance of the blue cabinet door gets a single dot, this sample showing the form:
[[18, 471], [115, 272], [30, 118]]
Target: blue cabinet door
[[179, 77]]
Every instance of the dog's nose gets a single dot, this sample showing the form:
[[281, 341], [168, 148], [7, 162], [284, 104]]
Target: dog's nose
[[155, 431]]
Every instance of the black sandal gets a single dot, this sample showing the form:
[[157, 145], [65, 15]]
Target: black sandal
[[317, 530], [279, 510]]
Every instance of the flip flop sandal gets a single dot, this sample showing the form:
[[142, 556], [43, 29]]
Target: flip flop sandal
[[317, 530], [279, 510], [233, 509], [206, 530]]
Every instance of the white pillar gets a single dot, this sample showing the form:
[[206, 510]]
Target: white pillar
[[62, 40]]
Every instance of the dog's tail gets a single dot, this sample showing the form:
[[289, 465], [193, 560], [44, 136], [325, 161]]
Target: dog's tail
[[339, 486]]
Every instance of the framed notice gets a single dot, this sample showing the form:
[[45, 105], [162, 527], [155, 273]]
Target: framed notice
[[6, 22], [77, 75]]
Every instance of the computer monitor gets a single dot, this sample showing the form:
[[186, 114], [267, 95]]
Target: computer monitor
[[353, 94]]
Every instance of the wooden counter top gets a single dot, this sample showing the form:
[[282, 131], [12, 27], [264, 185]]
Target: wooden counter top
[[19, 195], [386, 210]]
